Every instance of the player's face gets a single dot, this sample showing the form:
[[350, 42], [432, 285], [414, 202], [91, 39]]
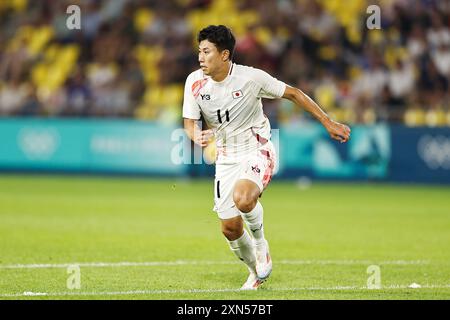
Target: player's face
[[210, 58]]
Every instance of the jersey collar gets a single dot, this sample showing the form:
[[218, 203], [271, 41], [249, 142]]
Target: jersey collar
[[231, 68]]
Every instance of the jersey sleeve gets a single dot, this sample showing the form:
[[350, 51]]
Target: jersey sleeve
[[270, 87], [191, 110]]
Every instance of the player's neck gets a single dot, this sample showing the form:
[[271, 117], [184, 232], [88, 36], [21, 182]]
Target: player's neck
[[223, 72]]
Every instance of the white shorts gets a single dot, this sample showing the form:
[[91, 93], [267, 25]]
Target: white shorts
[[258, 166]]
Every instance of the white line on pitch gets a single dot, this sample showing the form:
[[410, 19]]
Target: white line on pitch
[[205, 262], [189, 291]]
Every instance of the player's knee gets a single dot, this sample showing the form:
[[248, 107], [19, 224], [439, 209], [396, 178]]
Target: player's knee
[[244, 201]]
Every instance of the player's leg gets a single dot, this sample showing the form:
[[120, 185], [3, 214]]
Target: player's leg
[[255, 176], [241, 244], [239, 240], [246, 194], [232, 228]]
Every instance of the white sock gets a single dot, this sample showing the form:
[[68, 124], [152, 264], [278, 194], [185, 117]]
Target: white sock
[[254, 221], [244, 250]]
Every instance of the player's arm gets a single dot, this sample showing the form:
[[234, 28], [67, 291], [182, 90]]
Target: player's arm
[[337, 131], [193, 131], [191, 114]]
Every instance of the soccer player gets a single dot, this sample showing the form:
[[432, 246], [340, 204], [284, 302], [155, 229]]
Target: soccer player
[[228, 96]]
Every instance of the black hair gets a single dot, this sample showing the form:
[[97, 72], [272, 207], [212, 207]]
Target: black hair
[[220, 35]]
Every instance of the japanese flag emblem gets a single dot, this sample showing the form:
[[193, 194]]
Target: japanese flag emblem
[[237, 94]]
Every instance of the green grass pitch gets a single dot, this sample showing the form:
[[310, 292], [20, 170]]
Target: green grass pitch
[[159, 239]]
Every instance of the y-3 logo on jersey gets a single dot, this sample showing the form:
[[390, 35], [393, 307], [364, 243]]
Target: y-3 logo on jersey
[[205, 96]]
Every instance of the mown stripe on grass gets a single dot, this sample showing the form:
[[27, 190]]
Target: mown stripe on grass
[[205, 262]]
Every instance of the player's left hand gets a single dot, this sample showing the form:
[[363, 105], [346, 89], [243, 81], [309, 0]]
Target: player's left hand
[[338, 131], [203, 138]]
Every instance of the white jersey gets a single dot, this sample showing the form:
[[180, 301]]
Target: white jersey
[[232, 107]]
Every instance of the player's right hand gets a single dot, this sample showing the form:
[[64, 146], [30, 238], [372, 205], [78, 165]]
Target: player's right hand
[[202, 138], [338, 131]]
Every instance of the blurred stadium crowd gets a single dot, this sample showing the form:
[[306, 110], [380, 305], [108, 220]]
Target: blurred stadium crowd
[[131, 57]]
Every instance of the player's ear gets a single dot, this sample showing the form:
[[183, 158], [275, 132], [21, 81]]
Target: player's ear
[[225, 55]]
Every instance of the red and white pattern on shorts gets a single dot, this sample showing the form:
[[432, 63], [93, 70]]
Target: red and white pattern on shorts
[[269, 168]]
